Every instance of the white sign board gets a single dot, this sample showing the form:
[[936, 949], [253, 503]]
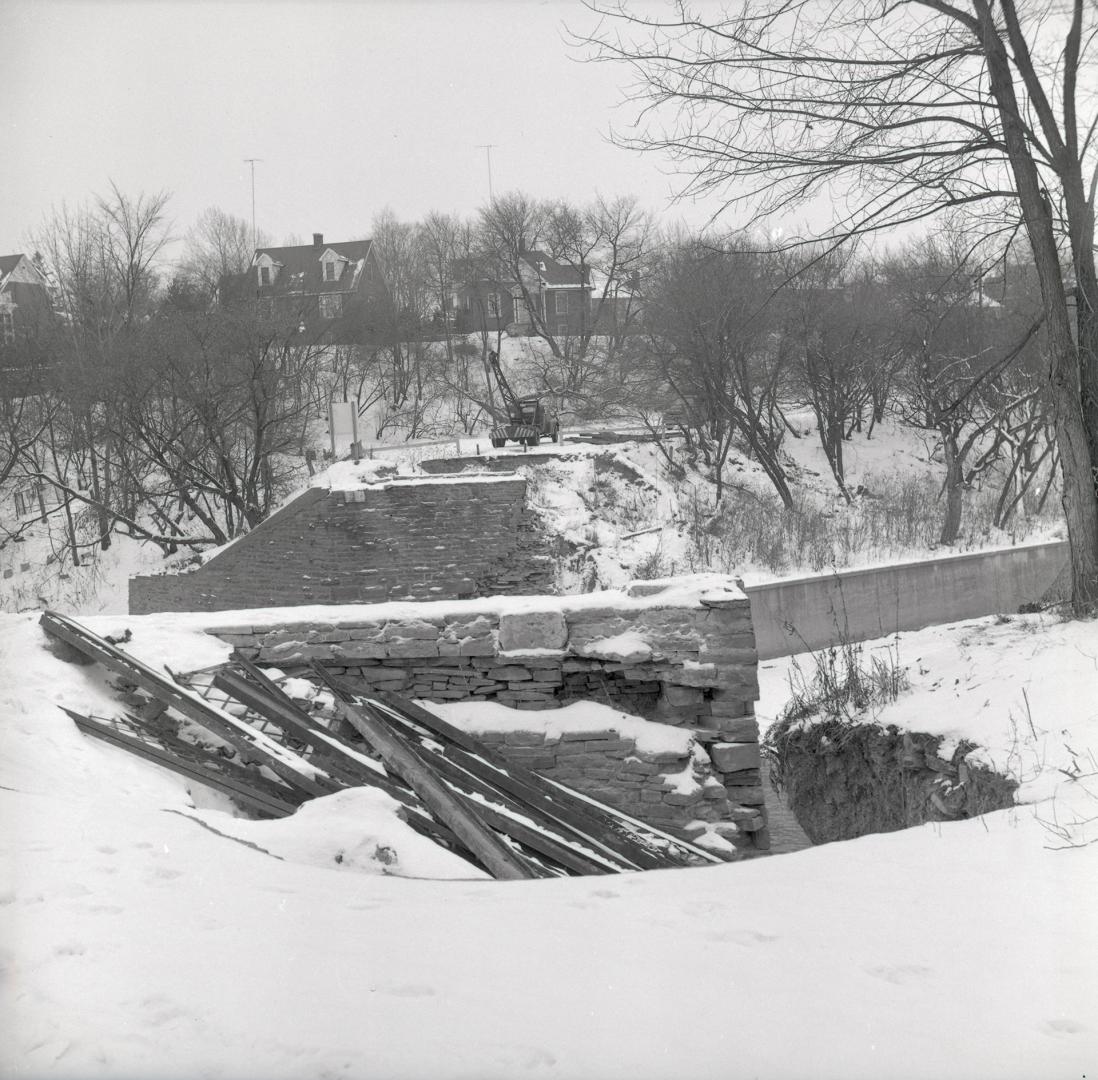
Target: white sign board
[[343, 425]]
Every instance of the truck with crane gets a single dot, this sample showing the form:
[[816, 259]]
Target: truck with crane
[[528, 419]]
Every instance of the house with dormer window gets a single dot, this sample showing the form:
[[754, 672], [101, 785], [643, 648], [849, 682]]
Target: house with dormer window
[[333, 293]]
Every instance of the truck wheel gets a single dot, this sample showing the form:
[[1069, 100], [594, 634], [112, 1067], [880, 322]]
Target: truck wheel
[[497, 443], [532, 440]]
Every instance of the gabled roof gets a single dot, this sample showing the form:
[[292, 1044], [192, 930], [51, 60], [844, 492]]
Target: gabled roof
[[304, 259], [553, 273], [8, 263]]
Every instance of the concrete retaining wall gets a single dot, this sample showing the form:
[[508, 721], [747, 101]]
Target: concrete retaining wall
[[797, 614]]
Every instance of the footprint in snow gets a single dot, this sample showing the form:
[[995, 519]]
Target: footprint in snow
[[71, 948], [524, 1057], [1063, 1025], [899, 973], [740, 937], [408, 990]]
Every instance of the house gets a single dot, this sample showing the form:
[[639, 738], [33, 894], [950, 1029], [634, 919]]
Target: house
[[543, 294], [333, 293], [25, 310]]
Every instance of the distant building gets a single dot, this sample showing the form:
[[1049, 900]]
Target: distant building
[[25, 305], [26, 323], [334, 293], [559, 294]]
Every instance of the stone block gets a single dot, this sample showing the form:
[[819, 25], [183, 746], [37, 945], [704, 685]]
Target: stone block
[[743, 730], [508, 673], [700, 675], [476, 647], [678, 696], [678, 798], [412, 649], [524, 738], [532, 630], [746, 796], [359, 650], [735, 756]]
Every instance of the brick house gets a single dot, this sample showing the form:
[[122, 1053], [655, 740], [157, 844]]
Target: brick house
[[25, 303], [335, 293], [560, 295]]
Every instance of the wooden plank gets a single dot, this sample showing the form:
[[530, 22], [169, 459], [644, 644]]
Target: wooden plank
[[496, 856], [289, 766], [541, 836], [286, 716], [235, 789], [582, 818], [584, 812]]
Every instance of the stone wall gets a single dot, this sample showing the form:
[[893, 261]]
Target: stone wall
[[677, 791], [679, 656], [468, 536]]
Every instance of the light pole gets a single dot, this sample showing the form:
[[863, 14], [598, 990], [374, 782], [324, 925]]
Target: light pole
[[487, 148], [251, 161]]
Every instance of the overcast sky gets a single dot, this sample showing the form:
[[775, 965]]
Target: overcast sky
[[351, 106]]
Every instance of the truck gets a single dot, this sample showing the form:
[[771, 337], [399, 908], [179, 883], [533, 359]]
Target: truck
[[528, 419]]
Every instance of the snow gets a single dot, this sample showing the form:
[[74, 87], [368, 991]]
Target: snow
[[480, 717], [628, 647], [1024, 688], [138, 942]]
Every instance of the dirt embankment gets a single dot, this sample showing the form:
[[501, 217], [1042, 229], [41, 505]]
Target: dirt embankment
[[844, 779]]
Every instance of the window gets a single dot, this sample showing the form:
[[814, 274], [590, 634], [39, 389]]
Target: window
[[331, 270], [562, 328], [493, 304], [331, 306], [560, 303], [264, 275], [266, 307], [7, 326]]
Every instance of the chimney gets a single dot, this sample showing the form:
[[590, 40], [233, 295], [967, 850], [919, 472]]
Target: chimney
[[318, 239]]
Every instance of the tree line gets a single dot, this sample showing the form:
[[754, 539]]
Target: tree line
[[171, 408]]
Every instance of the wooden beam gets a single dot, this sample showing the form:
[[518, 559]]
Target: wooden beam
[[285, 763], [256, 800], [401, 758]]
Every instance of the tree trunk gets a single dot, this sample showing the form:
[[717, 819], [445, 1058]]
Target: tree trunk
[[1079, 499], [954, 493]]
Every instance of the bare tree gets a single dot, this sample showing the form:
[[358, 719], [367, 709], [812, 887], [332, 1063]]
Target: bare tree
[[710, 336], [218, 246], [959, 351], [103, 258], [898, 112], [838, 334]]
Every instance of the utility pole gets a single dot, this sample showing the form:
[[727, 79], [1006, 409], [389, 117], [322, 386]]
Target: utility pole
[[488, 148], [251, 161]]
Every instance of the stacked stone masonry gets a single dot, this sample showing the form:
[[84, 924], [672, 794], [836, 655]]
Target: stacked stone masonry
[[417, 540], [691, 665]]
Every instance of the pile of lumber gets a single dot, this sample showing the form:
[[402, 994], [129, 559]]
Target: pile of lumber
[[235, 729]]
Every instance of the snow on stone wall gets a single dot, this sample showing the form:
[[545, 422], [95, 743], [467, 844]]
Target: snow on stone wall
[[677, 656]]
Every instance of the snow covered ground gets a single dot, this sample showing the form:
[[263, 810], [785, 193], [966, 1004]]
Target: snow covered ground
[[137, 941]]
